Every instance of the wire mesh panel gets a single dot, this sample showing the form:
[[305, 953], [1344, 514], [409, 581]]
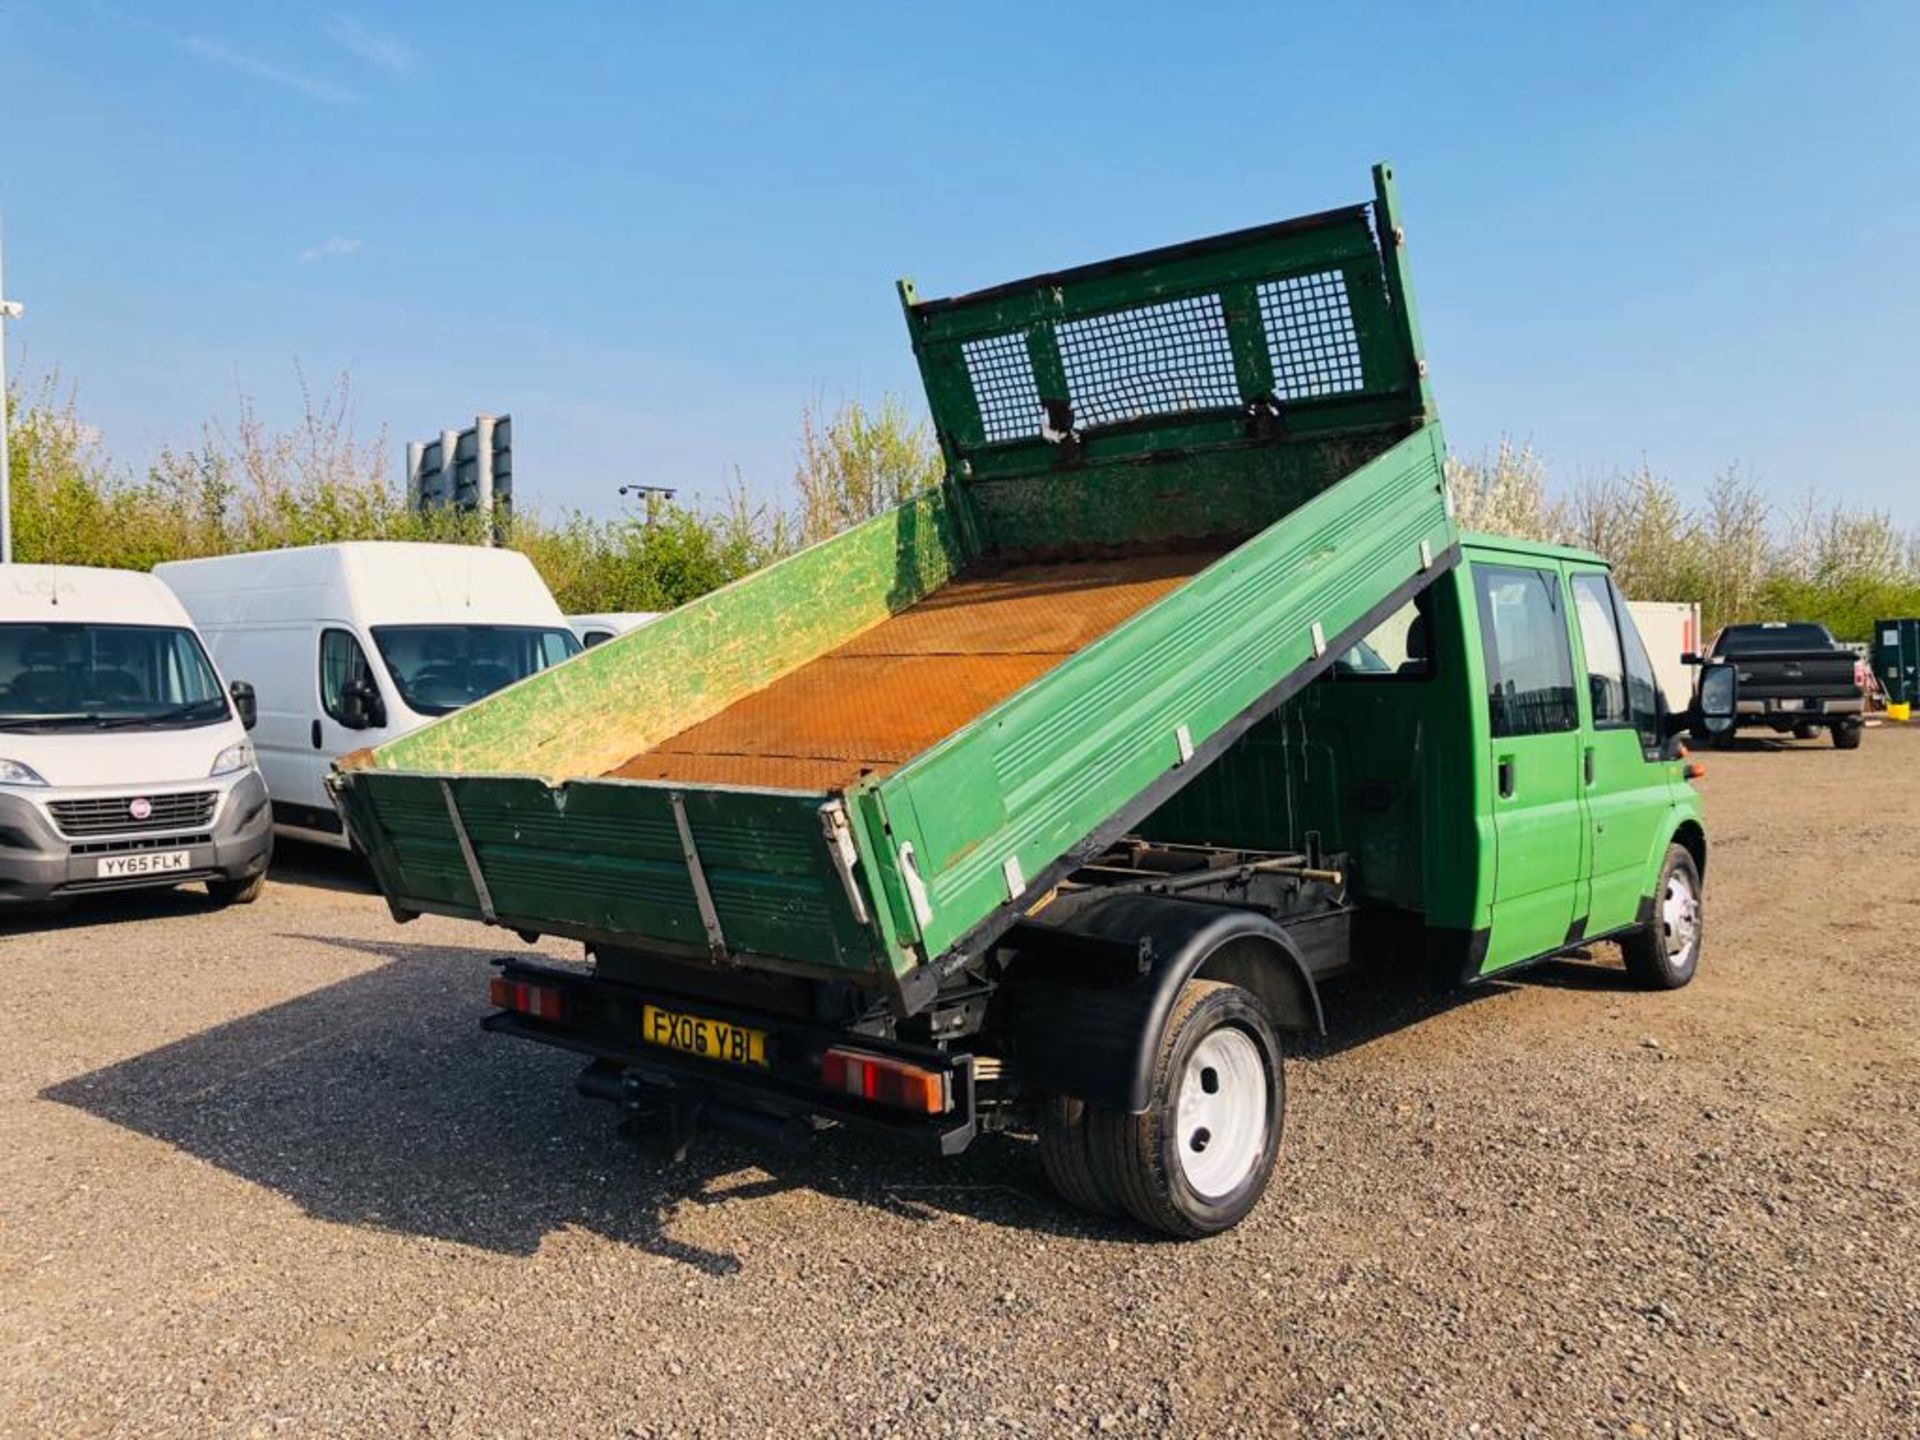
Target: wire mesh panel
[[1178, 349], [1153, 360], [1310, 335], [1004, 387]]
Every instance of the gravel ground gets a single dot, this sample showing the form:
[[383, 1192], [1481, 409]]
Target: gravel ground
[[263, 1175]]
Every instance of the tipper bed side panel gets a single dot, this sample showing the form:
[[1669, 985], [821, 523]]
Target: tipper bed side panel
[[1000, 802], [1266, 383], [590, 714], [606, 860]]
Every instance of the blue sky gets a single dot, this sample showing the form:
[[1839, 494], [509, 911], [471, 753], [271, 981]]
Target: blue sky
[[1679, 232]]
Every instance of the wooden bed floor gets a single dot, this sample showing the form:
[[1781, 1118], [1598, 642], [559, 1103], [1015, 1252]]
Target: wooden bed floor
[[916, 677]]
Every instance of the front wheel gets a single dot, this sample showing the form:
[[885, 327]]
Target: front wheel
[[1198, 1159], [1663, 953], [237, 892]]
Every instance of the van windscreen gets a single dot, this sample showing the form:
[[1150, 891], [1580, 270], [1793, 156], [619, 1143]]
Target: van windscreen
[[439, 668], [121, 677]]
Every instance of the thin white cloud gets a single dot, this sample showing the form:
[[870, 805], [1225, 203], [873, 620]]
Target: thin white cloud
[[372, 46], [331, 248], [211, 48]]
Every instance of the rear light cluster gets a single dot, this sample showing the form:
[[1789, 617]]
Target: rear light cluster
[[886, 1081], [540, 1001], [1859, 674]]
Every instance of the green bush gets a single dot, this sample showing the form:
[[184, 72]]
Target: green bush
[[249, 487], [252, 488]]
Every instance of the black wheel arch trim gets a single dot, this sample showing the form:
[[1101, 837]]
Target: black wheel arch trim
[[1089, 997]]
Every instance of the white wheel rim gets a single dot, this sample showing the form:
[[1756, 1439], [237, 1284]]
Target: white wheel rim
[[1220, 1118], [1680, 916]]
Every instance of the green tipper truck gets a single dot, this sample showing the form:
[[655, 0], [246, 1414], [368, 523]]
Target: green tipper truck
[[1047, 800]]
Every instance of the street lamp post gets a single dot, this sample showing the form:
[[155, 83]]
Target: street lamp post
[[9, 310], [651, 496]]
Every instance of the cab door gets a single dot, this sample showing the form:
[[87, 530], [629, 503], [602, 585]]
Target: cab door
[[1539, 819], [332, 729], [1625, 782]]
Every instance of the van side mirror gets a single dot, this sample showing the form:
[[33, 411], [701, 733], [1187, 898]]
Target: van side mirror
[[1719, 697], [244, 704], [361, 707]]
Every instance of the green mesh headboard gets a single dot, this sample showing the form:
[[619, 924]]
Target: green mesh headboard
[[1298, 328]]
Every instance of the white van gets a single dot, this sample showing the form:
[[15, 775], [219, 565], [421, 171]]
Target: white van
[[123, 760], [353, 644], [595, 630]]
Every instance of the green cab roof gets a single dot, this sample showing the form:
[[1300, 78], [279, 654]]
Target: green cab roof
[[1475, 540]]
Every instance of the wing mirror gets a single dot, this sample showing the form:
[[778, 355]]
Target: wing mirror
[[245, 705], [1716, 700], [1719, 697], [361, 707]]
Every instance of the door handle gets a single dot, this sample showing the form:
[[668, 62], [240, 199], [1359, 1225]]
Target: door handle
[[1505, 772], [1588, 764], [316, 734]]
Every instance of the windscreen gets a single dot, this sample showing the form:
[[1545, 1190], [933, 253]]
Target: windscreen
[[123, 677], [1752, 639], [439, 668]]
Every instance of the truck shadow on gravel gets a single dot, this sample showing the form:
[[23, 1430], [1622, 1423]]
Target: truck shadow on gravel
[[378, 1101]]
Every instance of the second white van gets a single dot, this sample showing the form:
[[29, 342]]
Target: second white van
[[350, 645]]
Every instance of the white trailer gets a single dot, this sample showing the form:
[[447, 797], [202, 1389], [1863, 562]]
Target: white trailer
[[1671, 629]]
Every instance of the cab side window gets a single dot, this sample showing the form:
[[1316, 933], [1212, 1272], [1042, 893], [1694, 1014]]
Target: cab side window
[[341, 661], [1529, 658], [1600, 638], [1643, 689]]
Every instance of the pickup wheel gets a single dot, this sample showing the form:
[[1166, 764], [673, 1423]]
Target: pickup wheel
[[1846, 737], [1199, 1157], [1664, 953], [1806, 730]]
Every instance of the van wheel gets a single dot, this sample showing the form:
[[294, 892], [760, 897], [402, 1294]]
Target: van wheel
[[237, 892], [1199, 1158], [1664, 953], [1846, 737]]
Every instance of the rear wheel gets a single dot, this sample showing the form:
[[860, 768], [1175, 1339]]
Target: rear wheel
[[1846, 737], [1664, 953], [1201, 1154], [237, 892], [1067, 1157], [1805, 730]]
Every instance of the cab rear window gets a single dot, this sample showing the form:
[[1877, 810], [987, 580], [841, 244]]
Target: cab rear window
[[1529, 660]]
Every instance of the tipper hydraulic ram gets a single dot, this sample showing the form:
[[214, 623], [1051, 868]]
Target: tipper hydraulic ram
[[903, 831]]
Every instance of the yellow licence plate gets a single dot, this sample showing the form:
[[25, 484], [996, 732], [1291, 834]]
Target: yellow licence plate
[[699, 1035]]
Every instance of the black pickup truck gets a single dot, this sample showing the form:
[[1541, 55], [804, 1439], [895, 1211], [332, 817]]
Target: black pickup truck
[[1794, 678]]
